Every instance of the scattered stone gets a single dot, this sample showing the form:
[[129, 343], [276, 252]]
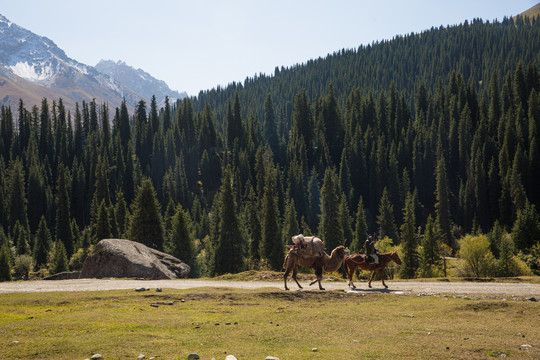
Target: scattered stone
[[448, 348], [14, 342], [503, 355], [408, 315], [193, 356], [236, 323], [141, 356], [271, 358], [525, 347], [532, 299], [153, 357], [231, 357], [140, 289], [182, 300], [465, 338], [216, 323], [154, 305], [96, 356], [314, 349], [159, 290], [227, 323], [520, 334]]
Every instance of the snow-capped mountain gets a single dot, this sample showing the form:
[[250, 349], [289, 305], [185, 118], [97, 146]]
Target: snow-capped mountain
[[33, 67], [138, 80]]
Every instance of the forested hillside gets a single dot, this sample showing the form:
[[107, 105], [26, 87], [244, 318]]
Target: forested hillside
[[428, 140]]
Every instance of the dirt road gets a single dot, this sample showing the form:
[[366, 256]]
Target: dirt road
[[489, 289]]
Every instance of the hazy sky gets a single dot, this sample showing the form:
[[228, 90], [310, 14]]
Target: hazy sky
[[196, 45]]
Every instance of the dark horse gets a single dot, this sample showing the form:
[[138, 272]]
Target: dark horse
[[358, 261]]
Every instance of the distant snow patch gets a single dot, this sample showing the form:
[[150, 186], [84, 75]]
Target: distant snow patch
[[30, 72]]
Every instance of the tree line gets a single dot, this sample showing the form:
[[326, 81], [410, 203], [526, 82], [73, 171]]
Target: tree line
[[224, 186]]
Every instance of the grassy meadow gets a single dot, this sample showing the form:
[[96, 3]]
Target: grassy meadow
[[253, 324]]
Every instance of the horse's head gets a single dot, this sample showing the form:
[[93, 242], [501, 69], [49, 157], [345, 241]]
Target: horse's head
[[394, 256]]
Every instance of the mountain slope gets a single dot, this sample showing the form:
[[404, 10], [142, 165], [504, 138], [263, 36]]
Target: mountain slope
[[138, 80], [33, 67], [533, 12]]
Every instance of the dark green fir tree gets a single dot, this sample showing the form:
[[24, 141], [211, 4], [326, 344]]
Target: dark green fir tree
[[146, 223], [228, 253]]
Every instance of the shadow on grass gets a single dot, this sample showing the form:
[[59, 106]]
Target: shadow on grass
[[375, 290]]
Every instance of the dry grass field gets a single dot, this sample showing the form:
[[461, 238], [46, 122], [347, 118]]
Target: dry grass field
[[253, 324]]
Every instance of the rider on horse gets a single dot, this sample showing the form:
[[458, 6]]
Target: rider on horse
[[371, 252]]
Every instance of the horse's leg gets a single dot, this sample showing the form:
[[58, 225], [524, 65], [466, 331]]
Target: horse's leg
[[371, 278], [381, 273], [350, 273], [294, 273]]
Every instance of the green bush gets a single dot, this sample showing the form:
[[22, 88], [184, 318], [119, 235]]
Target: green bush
[[479, 261], [23, 265]]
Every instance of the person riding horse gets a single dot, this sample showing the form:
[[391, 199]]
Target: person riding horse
[[371, 252]]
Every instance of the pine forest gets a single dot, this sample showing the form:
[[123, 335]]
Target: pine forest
[[429, 141]]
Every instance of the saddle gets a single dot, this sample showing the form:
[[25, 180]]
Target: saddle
[[371, 259]]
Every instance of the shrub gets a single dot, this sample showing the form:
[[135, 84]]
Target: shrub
[[77, 260], [23, 265], [479, 261]]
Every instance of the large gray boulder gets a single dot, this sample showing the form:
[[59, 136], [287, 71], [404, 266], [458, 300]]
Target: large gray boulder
[[119, 258]]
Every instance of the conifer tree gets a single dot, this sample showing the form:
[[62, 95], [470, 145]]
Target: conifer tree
[[314, 200], [20, 239], [526, 229], [146, 223], [5, 264], [360, 229], [329, 225], [121, 214], [270, 129], [63, 217], [385, 219], [180, 243], [42, 243], [124, 129], [442, 206], [345, 221], [234, 123], [167, 115], [228, 253], [332, 125], [430, 257], [410, 260], [290, 223], [271, 244], [103, 224], [253, 224], [16, 195], [506, 255], [60, 260]]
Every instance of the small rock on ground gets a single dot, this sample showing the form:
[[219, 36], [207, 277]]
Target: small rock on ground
[[193, 356], [231, 357], [271, 358]]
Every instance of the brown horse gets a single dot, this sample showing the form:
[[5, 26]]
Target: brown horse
[[358, 261]]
